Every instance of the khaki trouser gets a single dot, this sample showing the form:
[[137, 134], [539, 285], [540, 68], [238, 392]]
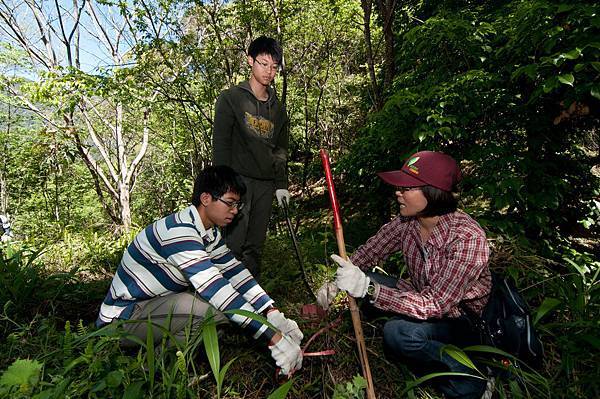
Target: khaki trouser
[[173, 312]]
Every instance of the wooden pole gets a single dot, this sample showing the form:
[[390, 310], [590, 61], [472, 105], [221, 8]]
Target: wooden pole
[[354, 312]]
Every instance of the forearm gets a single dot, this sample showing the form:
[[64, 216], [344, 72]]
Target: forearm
[[241, 278], [379, 247]]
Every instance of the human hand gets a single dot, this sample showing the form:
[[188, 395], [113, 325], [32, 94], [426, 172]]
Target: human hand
[[287, 354], [282, 194], [326, 294], [350, 278], [286, 326]]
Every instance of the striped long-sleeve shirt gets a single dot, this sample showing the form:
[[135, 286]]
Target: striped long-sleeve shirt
[[449, 269], [176, 253]]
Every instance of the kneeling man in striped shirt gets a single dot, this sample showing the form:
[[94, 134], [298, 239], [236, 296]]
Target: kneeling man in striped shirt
[[179, 267]]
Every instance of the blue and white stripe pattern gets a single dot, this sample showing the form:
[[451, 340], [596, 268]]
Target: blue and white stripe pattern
[[177, 252]]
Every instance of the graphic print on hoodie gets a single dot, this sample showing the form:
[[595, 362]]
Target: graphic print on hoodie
[[259, 125], [251, 136]]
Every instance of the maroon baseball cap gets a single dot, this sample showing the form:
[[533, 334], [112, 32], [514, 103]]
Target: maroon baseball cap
[[425, 168]]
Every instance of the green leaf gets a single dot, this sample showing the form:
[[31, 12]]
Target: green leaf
[[515, 389], [567, 79], [411, 385], [572, 55], [529, 70], [592, 340], [45, 394], [225, 368], [114, 378], [99, 386], [460, 356], [211, 346], [251, 315], [545, 307], [564, 8], [24, 373], [595, 91], [282, 391], [445, 131], [134, 391], [150, 351], [550, 84], [581, 269], [488, 349]]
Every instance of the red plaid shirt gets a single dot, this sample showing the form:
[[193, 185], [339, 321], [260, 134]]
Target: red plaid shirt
[[450, 268]]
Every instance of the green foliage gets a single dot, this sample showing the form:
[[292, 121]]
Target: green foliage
[[354, 389], [20, 378], [282, 391], [508, 90], [211, 346]]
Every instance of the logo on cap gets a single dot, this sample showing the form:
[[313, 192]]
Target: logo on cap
[[411, 165]]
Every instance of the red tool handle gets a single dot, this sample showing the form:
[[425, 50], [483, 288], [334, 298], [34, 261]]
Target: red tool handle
[[354, 312], [335, 206]]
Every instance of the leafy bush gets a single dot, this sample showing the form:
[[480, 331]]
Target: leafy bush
[[512, 91]]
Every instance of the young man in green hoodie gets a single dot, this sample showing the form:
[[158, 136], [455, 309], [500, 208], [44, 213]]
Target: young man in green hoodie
[[250, 135]]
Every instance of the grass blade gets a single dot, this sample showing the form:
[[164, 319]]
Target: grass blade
[[211, 346], [150, 351], [282, 391]]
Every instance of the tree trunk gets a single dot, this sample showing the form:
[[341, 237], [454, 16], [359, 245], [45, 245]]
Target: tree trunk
[[387, 15], [4, 165], [3, 191], [367, 8], [125, 207], [276, 8]]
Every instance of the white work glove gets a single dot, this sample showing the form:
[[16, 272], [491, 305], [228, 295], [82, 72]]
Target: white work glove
[[350, 278], [326, 294], [286, 326], [280, 194], [287, 355]]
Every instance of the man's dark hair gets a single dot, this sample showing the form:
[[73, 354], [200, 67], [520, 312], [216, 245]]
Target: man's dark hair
[[266, 45], [439, 202], [217, 180]]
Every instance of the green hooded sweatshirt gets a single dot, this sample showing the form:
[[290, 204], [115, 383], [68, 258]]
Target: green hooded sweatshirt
[[251, 136]]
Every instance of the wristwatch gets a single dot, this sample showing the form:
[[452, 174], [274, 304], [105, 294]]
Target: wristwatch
[[371, 289]]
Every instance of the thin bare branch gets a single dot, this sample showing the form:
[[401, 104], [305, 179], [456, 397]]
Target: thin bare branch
[[42, 24], [102, 34], [97, 143]]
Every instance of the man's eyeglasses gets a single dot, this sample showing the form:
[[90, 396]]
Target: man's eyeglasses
[[231, 204], [404, 189], [266, 66]]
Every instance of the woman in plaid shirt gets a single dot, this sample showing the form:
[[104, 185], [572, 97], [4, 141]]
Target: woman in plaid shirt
[[446, 254]]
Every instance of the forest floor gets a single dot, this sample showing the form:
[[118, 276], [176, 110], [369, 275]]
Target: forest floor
[[48, 316]]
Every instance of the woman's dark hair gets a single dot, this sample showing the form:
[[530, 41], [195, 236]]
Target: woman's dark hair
[[266, 45], [217, 180], [439, 202]]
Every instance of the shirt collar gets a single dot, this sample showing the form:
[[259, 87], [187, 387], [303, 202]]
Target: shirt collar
[[198, 223], [440, 232]]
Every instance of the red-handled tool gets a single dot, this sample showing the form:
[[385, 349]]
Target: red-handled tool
[[339, 235]]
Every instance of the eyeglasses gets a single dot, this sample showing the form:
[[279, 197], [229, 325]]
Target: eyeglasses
[[404, 189], [231, 204], [266, 66]]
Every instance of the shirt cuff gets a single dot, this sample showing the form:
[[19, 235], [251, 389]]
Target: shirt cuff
[[266, 305]]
